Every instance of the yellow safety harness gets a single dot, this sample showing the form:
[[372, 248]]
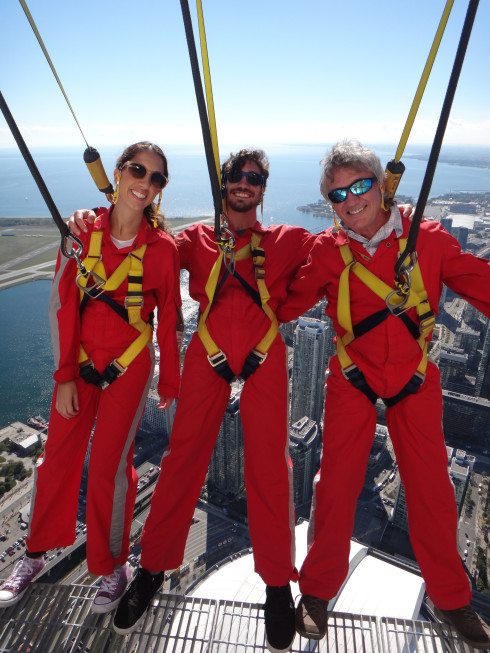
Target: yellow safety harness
[[395, 305], [217, 358], [132, 270]]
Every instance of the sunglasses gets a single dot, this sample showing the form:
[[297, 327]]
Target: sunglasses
[[253, 178], [359, 187], [138, 171]]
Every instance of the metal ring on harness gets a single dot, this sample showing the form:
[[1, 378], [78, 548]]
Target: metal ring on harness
[[403, 289], [227, 245], [97, 286]]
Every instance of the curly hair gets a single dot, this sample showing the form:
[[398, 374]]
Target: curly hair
[[237, 160]]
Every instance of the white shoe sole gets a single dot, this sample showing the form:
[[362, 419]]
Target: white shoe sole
[[15, 599], [278, 650], [102, 608], [127, 631]]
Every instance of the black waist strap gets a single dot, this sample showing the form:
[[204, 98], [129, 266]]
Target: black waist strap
[[118, 308], [358, 380], [380, 316]]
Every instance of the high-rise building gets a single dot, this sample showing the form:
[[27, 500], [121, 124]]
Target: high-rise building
[[307, 397], [466, 420], [154, 420], [447, 223], [453, 365], [468, 340], [226, 470], [461, 233], [460, 464], [303, 439], [482, 386]]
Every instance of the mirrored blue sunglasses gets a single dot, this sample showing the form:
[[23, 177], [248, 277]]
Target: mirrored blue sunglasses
[[359, 187]]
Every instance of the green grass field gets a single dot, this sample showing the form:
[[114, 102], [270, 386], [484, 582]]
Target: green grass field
[[30, 241]]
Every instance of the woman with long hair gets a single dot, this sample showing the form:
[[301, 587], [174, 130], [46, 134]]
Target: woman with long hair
[[102, 326]]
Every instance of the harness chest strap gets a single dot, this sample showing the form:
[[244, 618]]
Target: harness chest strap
[[131, 269], [417, 298], [216, 356]]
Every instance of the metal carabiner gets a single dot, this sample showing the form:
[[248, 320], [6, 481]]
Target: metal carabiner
[[73, 253], [413, 262], [227, 245], [402, 291]]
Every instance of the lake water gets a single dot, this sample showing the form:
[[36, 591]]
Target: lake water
[[27, 365], [293, 182], [26, 381]]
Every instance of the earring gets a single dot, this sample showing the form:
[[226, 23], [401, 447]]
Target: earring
[[383, 205], [116, 192], [155, 218]]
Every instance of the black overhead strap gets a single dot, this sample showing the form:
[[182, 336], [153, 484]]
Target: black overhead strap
[[436, 146], [60, 223], [203, 116]]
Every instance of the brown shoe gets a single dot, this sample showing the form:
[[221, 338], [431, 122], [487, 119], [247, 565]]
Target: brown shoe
[[467, 624], [311, 617]]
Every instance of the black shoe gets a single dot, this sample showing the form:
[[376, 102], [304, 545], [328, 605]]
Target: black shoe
[[279, 619], [137, 598]]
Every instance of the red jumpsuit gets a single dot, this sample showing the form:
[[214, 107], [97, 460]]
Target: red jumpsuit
[[236, 324], [104, 335], [388, 356]]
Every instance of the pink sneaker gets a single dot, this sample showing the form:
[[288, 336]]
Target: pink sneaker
[[14, 588], [111, 589]]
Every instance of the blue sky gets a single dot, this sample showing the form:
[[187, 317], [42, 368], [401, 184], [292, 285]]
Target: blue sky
[[315, 71]]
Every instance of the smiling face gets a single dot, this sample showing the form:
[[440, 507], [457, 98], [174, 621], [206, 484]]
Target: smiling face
[[242, 196], [135, 193], [361, 213]]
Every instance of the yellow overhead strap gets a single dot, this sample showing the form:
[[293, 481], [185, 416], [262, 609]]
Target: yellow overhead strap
[[209, 90], [395, 169]]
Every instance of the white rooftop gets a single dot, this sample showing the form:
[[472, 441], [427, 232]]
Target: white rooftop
[[374, 587]]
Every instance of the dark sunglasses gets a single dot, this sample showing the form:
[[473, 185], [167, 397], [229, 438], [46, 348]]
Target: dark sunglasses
[[138, 171], [253, 178], [359, 187]]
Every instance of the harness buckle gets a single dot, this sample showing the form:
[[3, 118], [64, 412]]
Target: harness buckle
[[259, 355], [350, 371], [134, 301], [259, 272], [217, 359], [97, 287], [426, 321], [111, 373]]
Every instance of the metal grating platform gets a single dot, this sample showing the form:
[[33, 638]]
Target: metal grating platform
[[57, 619]]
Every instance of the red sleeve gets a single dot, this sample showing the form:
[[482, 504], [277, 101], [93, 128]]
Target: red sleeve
[[168, 306], [307, 288], [466, 274], [64, 319]]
